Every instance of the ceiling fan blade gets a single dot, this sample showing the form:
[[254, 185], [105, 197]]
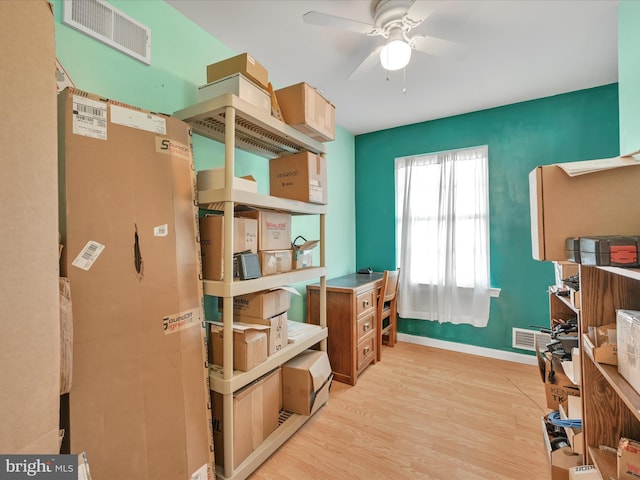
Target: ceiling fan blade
[[437, 46], [367, 64], [326, 20], [420, 10]]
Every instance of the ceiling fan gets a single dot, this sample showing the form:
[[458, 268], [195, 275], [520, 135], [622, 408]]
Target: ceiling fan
[[393, 20]]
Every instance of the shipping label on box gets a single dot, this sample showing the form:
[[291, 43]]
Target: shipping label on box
[[302, 177], [278, 330]]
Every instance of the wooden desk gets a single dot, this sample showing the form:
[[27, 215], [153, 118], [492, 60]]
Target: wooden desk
[[351, 320]]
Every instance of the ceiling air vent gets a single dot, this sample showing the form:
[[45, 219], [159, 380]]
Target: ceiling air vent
[[529, 339], [103, 22]]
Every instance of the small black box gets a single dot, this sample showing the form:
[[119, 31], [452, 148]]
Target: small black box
[[246, 266]]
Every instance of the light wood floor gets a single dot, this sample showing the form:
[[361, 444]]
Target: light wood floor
[[423, 413]]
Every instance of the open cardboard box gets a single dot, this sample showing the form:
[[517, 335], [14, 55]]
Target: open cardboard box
[[577, 199], [602, 352], [573, 412], [306, 380], [561, 459]]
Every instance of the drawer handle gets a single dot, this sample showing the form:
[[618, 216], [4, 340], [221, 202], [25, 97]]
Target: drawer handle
[[366, 326], [366, 349], [365, 303]]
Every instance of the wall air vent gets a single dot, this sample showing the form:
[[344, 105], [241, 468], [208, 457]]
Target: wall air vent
[[528, 339], [109, 25]]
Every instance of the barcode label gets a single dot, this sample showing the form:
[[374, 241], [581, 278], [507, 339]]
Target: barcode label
[[88, 255], [161, 230], [89, 118]]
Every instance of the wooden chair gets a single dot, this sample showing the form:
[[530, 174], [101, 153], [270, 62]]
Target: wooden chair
[[387, 324]]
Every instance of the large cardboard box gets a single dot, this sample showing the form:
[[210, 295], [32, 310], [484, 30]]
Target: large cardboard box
[[30, 344], [307, 111], [306, 380], [245, 237], [241, 87], [138, 404], [250, 345], [263, 304], [278, 335], [557, 386], [302, 177], [602, 202], [256, 410], [274, 229], [628, 337], [244, 64]]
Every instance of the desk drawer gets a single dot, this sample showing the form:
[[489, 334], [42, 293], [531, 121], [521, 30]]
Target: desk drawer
[[365, 301], [367, 350], [365, 325]]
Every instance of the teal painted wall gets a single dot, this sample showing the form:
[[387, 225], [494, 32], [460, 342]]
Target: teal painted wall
[[180, 52], [629, 75], [575, 126]]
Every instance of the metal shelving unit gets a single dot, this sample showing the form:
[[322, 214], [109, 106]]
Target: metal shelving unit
[[238, 124]]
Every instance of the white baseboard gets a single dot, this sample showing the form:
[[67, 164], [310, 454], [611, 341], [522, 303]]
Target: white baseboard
[[471, 349]]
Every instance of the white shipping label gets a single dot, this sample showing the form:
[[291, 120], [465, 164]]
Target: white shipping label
[[140, 120], [89, 118], [88, 255], [200, 474], [161, 230]]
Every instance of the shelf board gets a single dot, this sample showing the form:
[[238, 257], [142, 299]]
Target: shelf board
[[633, 273], [243, 287], [214, 200], [306, 337], [623, 389], [285, 430], [605, 462], [255, 131]]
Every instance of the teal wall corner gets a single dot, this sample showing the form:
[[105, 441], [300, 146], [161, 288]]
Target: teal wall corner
[[575, 126], [629, 75]]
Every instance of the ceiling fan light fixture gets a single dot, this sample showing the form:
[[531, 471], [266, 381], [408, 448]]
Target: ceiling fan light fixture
[[396, 53]]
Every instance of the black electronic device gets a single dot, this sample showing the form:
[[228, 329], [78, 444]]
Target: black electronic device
[[246, 265], [365, 271]]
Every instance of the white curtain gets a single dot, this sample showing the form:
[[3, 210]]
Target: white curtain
[[443, 236]]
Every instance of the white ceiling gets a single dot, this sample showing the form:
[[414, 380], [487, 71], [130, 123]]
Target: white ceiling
[[516, 50]]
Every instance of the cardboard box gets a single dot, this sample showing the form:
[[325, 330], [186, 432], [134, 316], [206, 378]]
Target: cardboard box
[[274, 229], [303, 254], [240, 86], [278, 330], [628, 335], [129, 226], [256, 410], [307, 111], [575, 435], [599, 203], [244, 64], [306, 380], [302, 177], [584, 472], [264, 304], [628, 459], [561, 387], [560, 459], [601, 343], [245, 237], [213, 179], [275, 261], [250, 345], [30, 345]]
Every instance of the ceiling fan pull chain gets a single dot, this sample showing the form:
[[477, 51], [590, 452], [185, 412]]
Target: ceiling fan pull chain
[[404, 80]]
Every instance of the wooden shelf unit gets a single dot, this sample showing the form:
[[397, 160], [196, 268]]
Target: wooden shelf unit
[[611, 406], [239, 125]]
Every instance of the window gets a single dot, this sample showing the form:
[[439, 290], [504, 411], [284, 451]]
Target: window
[[443, 234]]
